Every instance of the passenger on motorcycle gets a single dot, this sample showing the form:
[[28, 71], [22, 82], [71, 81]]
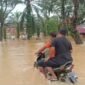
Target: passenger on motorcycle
[[51, 52]]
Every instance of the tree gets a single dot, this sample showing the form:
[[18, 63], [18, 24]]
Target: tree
[[75, 34], [38, 27], [15, 20], [22, 21], [6, 6], [39, 22], [81, 18], [28, 18], [60, 7], [52, 24], [45, 10]]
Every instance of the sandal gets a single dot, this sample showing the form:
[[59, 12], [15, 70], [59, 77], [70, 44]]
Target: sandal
[[53, 79]]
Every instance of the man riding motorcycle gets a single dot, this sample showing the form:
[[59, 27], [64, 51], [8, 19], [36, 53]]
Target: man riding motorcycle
[[63, 49]]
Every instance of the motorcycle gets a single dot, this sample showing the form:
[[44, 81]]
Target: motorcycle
[[40, 56], [64, 73]]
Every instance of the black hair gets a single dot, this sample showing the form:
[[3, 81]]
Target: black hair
[[63, 32], [53, 34]]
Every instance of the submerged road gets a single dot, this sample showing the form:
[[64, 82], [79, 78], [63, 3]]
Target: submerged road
[[17, 58]]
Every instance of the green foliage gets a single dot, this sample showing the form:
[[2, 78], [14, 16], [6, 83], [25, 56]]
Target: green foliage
[[6, 6], [52, 25], [64, 9], [49, 15]]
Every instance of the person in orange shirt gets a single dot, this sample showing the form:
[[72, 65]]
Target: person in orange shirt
[[51, 51], [48, 46]]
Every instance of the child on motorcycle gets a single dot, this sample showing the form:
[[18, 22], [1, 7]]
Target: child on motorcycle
[[51, 51]]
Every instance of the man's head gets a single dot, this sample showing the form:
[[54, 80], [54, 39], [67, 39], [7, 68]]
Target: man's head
[[53, 35], [62, 32]]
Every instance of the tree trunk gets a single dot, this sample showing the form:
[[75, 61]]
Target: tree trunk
[[76, 35], [1, 31], [63, 16], [28, 20], [4, 33], [18, 31], [28, 33], [38, 33]]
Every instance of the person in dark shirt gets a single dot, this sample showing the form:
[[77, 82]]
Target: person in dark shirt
[[63, 48]]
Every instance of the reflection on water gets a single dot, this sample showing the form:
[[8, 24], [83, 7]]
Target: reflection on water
[[16, 63]]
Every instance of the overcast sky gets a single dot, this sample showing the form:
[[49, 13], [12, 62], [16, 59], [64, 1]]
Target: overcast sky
[[19, 7]]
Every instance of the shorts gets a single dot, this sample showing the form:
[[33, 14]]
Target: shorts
[[50, 63]]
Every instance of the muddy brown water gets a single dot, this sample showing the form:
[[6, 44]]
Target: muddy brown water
[[16, 63]]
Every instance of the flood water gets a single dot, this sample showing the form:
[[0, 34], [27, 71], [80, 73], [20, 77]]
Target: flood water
[[17, 58]]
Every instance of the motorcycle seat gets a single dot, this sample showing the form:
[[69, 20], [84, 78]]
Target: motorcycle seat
[[67, 66]]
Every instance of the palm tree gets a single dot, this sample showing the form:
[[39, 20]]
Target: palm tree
[[6, 6], [76, 35], [44, 9], [28, 17], [15, 19], [60, 7]]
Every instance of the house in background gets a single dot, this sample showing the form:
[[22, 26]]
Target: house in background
[[81, 29], [11, 32]]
